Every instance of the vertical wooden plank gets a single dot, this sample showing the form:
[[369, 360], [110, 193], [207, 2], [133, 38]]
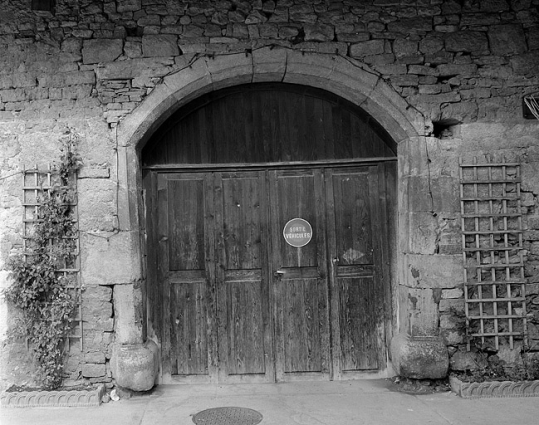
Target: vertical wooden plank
[[378, 258], [318, 134], [210, 133], [221, 293], [234, 108], [329, 137], [277, 284], [172, 151], [267, 275], [322, 305], [275, 135], [225, 137], [370, 140], [202, 136], [301, 142], [265, 127], [153, 285], [337, 132], [346, 141], [388, 204], [194, 140], [210, 269], [333, 282], [162, 271], [252, 145], [357, 133], [311, 129]]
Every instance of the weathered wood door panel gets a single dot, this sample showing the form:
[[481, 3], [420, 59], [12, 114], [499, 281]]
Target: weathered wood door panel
[[299, 285], [356, 238], [242, 305], [185, 246], [245, 343]]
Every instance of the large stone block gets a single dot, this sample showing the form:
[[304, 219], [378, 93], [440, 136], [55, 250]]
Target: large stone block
[[367, 48], [135, 366], [461, 112], [507, 39], [133, 68], [108, 261], [92, 370], [530, 177], [128, 5], [97, 208], [434, 271], [411, 25], [403, 47], [128, 313], [160, 45], [431, 194], [421, 307], [466, 41], [466, 360], [319, 32], [451, 305], [422, 232], [419, 358], [101, 50], [96, 357], [96, 311]]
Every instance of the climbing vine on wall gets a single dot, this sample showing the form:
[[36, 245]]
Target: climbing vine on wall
[[41, 291]]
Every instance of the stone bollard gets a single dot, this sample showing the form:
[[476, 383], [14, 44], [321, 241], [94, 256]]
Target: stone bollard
[[419, 357], [135, 366]]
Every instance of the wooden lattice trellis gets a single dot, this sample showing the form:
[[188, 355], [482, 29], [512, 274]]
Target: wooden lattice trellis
[[494, 282], [38, 183]]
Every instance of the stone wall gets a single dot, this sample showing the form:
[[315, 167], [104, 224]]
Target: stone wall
[[465, 65]]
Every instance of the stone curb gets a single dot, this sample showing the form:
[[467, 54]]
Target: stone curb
[[494, 388], [68, 398]]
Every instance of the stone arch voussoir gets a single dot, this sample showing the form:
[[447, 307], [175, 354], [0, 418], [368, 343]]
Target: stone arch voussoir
[[342, 76]]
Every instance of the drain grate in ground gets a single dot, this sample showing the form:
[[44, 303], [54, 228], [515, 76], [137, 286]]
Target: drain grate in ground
[[227, 416]]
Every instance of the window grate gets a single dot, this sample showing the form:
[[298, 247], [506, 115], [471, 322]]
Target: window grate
[[492, 250], [38, 182]]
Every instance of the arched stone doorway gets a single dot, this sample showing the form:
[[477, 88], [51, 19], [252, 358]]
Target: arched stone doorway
[[235, 291], [340, 76]]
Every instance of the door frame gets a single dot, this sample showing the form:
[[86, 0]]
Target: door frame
[[149, 180]]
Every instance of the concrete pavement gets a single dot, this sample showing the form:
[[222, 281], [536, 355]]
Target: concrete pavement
[[361, 402]]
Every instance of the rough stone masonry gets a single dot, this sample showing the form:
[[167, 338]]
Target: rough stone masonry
[[463, 66]]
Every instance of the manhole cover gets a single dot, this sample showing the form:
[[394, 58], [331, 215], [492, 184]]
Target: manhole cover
[[228, 416]]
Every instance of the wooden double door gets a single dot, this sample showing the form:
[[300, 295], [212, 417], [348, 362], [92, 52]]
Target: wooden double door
[[239, 303]]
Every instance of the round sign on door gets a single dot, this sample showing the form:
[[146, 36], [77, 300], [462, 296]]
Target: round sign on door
[[298, 232]]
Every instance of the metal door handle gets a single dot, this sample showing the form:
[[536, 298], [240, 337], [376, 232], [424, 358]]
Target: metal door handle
[[279, 273]]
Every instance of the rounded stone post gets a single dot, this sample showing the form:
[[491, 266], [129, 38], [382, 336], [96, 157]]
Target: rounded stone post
[[134, 363], [135, 366], [419, 357]]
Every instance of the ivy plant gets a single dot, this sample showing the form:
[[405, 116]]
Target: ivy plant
[[40, 291]]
